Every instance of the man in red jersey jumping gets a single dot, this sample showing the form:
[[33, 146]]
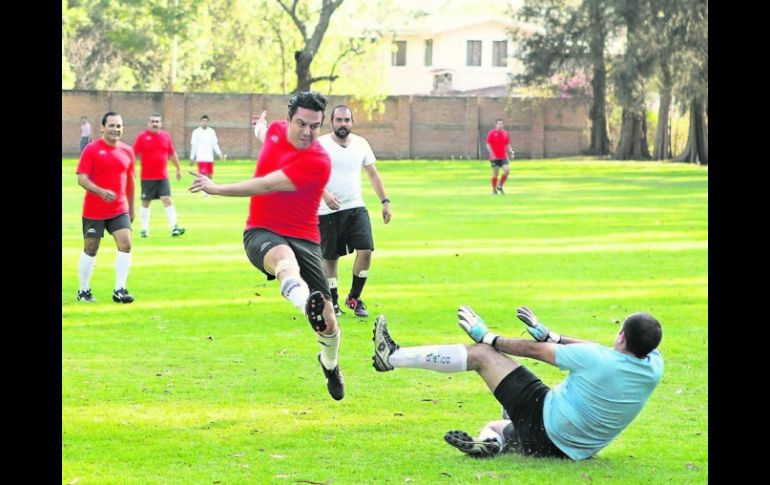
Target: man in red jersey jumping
[[106, 172], [282, 238], [155, 146]]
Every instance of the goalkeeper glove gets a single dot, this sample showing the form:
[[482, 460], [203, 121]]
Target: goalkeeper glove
[[474, 326], [538, 331]]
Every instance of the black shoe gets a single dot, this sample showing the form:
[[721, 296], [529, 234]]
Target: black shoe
[[178, 231], [143, 234], [314, 311], [474, 447], [500, 189], [337, 310], [357, 305], [384, 346], [121, 295], [335, 382], [85, 295]]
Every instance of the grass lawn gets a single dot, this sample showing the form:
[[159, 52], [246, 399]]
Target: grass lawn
[[211, 377]]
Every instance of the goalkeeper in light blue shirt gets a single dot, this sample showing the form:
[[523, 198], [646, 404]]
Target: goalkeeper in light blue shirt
[[604, 391]]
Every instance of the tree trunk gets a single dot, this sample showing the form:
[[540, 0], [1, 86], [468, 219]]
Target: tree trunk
[[633, 137], [697, 149], [304, 79], [662, 149], [600, 141]]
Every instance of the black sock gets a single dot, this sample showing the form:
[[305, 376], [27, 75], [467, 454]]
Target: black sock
[[357, 287], [335, 295]]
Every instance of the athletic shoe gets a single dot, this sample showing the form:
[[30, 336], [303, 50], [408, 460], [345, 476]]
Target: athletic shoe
[[500, 189], [85, 295], [314, 311], [384, 346], [358, 306], [494, 191], [472, 446], [178, 231], [337, 310], [143, 233], [335, 382], [121, 295]]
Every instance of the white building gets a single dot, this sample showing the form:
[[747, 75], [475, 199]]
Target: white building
[[435, 56]]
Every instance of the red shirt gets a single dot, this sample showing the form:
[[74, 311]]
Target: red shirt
[[154, 150], [291, 214], [108, 167], [498, 140]]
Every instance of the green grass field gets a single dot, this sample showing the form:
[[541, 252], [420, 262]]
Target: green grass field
[[211, 377]]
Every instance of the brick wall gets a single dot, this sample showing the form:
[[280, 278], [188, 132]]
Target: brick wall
[[411, 127]]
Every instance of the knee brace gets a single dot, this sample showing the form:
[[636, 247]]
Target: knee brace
[[285, 264]]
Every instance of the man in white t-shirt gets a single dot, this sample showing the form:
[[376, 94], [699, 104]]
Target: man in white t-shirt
[[203, 145], [343, 218]]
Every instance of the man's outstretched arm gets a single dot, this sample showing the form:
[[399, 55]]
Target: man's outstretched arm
[[540, 332], [273, 182]]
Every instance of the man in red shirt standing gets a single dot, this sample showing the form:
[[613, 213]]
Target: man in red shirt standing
[[498, 145], [282, 238], [155, 147], [106, 172]]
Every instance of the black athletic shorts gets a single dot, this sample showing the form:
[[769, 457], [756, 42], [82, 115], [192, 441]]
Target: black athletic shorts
[[345, 231], [522, 395], [155, 189], [498, 163], [258, 241], [95, 227]]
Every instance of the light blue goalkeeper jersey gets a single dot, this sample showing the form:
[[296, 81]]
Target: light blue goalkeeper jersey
[[603, 393]]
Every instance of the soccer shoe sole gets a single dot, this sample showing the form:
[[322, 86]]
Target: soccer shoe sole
[[314, 309], [465, 443], [380, 345]]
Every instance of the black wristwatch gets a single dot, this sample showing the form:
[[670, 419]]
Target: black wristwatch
[[385, 200]]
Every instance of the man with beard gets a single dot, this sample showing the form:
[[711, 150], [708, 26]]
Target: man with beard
[[343, 218]]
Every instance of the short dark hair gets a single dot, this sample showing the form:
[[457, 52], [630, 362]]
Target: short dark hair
[[156, 115], [311, 100], [643, 333], [499, 119], [343, 106], [205, 117], [107, 115]]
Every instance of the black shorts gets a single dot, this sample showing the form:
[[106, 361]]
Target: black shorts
[[258, 241], [95, 227], [345, 231], [498, 163], [522, 395], [155, 189]]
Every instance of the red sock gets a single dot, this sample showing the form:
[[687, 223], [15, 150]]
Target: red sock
[[494, 182], [502, 180]]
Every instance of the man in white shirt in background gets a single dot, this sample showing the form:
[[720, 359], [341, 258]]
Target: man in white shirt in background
[[203, 145]]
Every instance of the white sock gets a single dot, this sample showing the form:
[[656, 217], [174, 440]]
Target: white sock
[[441, 358], [296, 291], [122, 264], [330, 346], [332, 282], [171, 215], [144, 215], [490, 433], [86, 270]]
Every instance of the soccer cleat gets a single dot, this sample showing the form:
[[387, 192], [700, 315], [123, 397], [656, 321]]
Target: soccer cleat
[[121, 295], [472, 446], [384, 346], [143, 233], [500, 189], [358, 306], [314, 311], [337, 310], [85, 295], [178, 231], [335, 382], [494, 191]]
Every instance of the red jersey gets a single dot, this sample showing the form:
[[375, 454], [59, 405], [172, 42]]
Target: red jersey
[[291, 214], [154, 150], [498, 140], [109, 167]]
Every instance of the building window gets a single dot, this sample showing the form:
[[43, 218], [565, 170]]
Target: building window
[[429, 52], [398, 57], [499, 52], [473, 54]]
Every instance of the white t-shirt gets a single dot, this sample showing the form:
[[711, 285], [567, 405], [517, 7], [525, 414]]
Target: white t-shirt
[[204, 144], [345, 179]]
